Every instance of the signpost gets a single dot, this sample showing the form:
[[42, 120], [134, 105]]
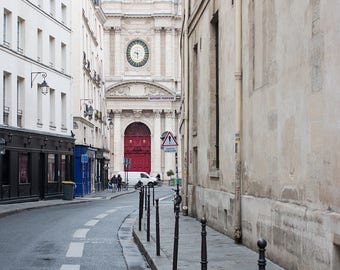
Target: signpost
[[169, 144]]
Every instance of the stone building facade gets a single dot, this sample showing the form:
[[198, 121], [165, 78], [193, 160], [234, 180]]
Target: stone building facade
[[260, 130], [35, 121], [90, 127], [143, 82]]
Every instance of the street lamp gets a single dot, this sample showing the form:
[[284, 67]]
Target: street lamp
[[44, 86]]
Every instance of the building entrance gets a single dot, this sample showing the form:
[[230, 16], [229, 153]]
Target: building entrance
[[137, 147]]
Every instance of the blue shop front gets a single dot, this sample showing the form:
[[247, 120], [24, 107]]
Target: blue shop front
[[84, 158]]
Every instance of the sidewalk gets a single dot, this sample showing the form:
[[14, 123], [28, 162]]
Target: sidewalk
[[11, 208], [223, 253]]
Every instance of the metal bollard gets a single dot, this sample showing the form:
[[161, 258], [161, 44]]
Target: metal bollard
[[148, 218], [261, 243], [141, 195], [204, 258], [177, 202], [146, 197], [158, 244]]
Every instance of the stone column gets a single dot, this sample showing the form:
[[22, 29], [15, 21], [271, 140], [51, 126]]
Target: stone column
[[118, 144], [169, 52], [156, 144], [157, 52], [118, 53]]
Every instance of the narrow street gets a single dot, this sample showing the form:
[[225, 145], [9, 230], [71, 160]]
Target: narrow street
[[74, 236]]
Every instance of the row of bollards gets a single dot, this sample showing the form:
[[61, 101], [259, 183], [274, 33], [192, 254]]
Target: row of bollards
[[145, 193]]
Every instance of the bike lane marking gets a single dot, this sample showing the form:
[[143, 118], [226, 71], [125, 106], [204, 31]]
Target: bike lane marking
[[75, 250], [101, 216], [70, 267], [80, 233], [91, 222]]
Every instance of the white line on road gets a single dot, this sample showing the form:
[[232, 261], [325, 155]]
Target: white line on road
[[92, 222], [166, 197], [75, 250], [80, 233], [70, 267], [111, 211], [101, 216]]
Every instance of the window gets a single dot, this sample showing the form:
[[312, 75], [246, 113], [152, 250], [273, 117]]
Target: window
[[6, 96], [52, 8], [23, 168], [20, 100], [195, 90], [52, 108], [7, 28], [39, 45], [63, 13], [51, 168], [41, 4], [63, 57], [52, 51], [20, 35], [63, 111], [84, 135], [214, 94]]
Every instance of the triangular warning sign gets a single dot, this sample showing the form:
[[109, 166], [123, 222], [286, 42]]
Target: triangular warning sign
[[169, 140]]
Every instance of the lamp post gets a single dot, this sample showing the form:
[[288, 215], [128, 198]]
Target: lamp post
[[44, 86]]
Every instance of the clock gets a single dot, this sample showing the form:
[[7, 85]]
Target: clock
[[137, 53]]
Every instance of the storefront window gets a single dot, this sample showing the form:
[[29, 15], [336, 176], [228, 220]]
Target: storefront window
[[63, 168], [23, 168], [51, 168]]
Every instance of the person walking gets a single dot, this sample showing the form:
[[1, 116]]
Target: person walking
[[119, 182]]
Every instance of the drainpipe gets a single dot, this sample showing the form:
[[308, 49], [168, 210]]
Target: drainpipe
[[186, 108], [238, 119]]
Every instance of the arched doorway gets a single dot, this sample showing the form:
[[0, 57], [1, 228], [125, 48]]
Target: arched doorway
[[137, 147]]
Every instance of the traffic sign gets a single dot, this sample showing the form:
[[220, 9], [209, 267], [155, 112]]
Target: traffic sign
[[169, 140]]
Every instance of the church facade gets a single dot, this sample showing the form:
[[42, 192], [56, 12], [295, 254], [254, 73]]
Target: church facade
[[143, 84]]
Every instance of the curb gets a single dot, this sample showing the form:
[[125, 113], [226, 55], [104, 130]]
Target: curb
[[49, 203], [18, 210], [158, 262]]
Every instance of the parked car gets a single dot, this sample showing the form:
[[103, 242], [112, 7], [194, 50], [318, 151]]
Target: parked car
[[135, 179]]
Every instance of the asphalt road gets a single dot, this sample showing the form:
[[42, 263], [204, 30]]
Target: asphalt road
[[84, 236]]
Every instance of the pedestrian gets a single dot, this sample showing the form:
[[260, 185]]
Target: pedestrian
[[119, 182], [114, 183]]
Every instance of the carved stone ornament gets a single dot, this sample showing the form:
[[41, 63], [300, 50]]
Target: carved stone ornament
[[153, 91], [121, 91], [137, 113]]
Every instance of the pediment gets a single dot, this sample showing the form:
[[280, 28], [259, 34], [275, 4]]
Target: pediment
[[138, 89]]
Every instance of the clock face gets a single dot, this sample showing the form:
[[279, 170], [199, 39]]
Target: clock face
[[137, 53]]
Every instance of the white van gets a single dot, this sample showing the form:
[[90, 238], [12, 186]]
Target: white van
[[134, 177]]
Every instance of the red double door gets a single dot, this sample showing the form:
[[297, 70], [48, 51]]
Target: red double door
[[137, 147]]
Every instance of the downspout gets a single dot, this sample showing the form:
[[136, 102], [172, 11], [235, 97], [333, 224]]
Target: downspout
[[186, 108], [238, 119]]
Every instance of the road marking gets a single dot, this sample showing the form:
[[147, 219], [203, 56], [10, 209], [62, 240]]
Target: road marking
[[92, 222], [70, 267], [101, 216], [166, 197], [80, 233], [111, 211], [75, 250]]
